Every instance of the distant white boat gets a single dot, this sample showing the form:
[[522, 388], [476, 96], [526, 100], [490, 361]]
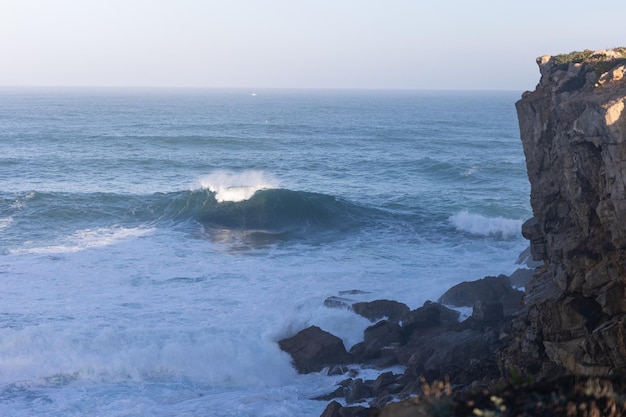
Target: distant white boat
[[253, 94]]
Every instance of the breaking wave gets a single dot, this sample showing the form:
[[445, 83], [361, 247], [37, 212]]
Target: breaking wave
[[248, 209], [240, 186], [278, 211], [486, 226], [272, 211]]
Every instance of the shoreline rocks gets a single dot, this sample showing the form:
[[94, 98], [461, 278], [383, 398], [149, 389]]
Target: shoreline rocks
[[428, 341]]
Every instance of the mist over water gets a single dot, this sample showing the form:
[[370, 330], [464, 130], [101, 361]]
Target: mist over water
[[155, 245]]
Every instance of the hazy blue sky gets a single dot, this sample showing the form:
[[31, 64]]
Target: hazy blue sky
[[480, 44]]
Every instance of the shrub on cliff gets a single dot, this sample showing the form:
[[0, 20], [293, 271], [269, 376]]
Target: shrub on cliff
[[594, 61]]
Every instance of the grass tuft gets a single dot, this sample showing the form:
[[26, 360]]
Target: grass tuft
[[593, 62]]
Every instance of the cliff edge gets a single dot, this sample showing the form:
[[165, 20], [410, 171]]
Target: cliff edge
[[573, 130]]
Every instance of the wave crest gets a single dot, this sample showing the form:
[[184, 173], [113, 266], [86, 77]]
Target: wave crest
[[486, 226], [278, 211], [5, 222], [237, 186]]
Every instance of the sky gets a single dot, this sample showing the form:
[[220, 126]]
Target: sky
[[255, 44]]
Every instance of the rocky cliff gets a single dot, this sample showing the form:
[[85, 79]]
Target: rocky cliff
[[573, 129], [568, 334]]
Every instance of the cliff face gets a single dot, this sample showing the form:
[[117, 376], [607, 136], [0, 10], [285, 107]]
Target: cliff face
[[573, 129]]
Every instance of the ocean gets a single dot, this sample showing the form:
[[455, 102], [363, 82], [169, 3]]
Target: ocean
[[155, 244]]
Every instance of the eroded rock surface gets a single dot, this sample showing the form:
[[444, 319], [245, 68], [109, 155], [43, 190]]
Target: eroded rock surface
[[573, 129]]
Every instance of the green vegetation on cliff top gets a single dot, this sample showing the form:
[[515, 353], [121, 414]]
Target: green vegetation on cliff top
[[597, 62]]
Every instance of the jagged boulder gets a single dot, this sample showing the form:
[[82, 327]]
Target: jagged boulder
[[488, 289], [313, 349], [334, 409], [375, 338], [378, 309], [428, 316]]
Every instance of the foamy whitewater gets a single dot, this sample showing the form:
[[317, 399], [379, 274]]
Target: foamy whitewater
[[155, 245]]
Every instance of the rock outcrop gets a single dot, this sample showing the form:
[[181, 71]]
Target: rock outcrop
[[573, 130], [429, 343], [486, 290], [312, 349]]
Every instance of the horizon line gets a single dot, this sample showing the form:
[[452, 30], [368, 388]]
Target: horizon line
[[252, 89]]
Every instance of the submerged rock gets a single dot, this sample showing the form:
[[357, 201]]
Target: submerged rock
[[338, 302]]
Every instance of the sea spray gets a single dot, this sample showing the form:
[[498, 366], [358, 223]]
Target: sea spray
[[237, 186]]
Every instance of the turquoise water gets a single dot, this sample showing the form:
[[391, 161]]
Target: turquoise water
[[155, 244]]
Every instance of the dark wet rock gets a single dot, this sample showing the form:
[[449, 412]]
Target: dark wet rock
[[334, 409], [394, 388], [428, 316], [378, 309], [338, 302], [488, 312], [381, 400], [469, 323], [431, 342], [358, 391], [346, 382], [449, 350], [363, 352], [531, 230], [353, 292], [429, 335], [557, 396], [338, 392], [521, 277], [381, 362], [488, 289], [512, 303], [337, 370], [383, 332], [377, 338], [313, 349], [384, 380], [526, 260]]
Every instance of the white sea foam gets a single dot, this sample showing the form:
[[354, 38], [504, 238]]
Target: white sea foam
[[5, 222], [85, 239], [237, 186], [485, 226], [464, 312], [19, 203], [470, 171]]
